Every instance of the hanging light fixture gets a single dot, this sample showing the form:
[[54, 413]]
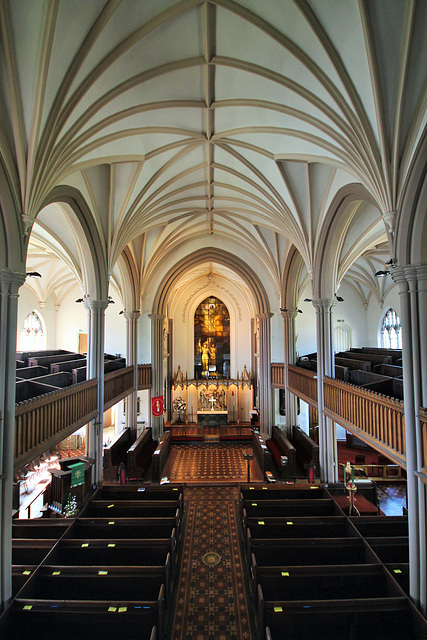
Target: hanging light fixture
[[33, 274]]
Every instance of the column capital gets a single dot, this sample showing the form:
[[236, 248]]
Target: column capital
[[264, 316], [289, 314], [10, 281], [156, 316], [323, 305], [131, 315], [95, 305]]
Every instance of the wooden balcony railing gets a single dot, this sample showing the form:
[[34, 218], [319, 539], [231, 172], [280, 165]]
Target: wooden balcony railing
[[117, 385], [44, 421], [378, 418], [40, 423], [277, 375], [144, 376], [303, 384]]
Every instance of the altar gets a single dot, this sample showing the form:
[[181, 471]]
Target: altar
[[211, 418]]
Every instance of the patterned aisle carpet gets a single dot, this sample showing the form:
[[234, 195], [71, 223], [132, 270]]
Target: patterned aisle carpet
[[210, 462], [211, 600]]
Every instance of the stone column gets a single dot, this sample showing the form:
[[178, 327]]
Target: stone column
[[412, 291], [10, 281], [95, 369], [157, 321], [132, 318], [289, 358], [325, 364], [265, 373]]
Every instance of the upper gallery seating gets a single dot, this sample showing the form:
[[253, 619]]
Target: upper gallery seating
[[368, 367], [40, 372]]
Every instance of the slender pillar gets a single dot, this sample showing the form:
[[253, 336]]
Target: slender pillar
[[289, 358], [265, 373], [10, 281], [157, 321], [95, 369], [132, 318], [325, 359], [412, 290]]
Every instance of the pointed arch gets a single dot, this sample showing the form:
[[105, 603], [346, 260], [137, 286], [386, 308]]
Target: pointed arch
[[211, 254]]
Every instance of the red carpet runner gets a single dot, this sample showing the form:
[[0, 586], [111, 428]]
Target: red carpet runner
[[211, 601]]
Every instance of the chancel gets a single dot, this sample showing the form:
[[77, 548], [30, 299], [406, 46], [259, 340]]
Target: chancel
[[213, 262]]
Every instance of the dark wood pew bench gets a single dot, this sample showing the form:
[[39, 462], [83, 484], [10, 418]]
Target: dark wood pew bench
[[293, 552], [148, 492], [20, 574], [115, 453], [30, 551], [381, 526], [390, 550], [135, 509], [364, 619], [299, 527], [124, 528], [40, 529], [280, 492], [288, 508], [307, 452], [109, 553], [327, 583], [138, 456], [84, 620], [282, 452]]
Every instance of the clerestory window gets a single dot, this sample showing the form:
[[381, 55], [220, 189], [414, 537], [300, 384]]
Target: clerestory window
[[391, 332]]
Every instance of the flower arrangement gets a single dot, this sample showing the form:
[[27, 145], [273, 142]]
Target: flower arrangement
[[71, 509], [179, 405]]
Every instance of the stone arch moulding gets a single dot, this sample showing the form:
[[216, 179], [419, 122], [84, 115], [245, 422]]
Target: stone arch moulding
[[330, 239], [411, 228], [292, 273], [255, 285], [94, 270]]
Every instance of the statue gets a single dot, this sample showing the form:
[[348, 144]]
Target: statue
[[205, 356], [179, 378]]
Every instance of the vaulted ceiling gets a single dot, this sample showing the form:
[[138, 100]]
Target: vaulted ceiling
[[227, 123]]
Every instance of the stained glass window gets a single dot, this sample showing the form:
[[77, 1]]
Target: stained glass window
[[391, 332], [212, 339]]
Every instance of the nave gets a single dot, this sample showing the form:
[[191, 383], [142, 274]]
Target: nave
[[212, 559]]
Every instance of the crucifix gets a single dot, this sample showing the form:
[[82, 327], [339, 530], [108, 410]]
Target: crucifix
[[212, 400]]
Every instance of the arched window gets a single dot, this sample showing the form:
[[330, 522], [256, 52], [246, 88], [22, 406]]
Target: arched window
[[32, 334], [391, 331]]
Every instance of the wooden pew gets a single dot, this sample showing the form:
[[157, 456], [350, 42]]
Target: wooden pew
[[160, 456], [139, 455], [391, 618], [293, 552], [307, 452], [261, 453], [281, 492], [84, 620], [289, 508], [115, 454], [283, 453], [124, 528]]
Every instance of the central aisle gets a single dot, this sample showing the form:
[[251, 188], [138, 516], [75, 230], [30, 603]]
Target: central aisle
[[211, 599]]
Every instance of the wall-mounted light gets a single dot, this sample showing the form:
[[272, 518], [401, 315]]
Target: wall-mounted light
[[283, 310], [299, 311], [308, 300], [121, 312], [79, 300], [110, 300], [382, 274], [33, 274], [339, 299]]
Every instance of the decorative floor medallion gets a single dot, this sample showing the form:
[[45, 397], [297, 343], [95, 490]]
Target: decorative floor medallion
[[211, 559]]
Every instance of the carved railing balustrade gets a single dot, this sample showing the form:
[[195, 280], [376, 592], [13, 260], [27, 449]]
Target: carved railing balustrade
[[144, 376], [117, 385], [378, 419], [303, 383], [42, 422]]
